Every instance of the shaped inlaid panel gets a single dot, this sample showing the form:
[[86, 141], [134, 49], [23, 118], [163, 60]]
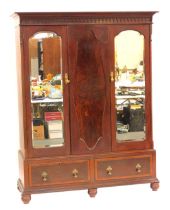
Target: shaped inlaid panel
[[89, 97], [89, 90]]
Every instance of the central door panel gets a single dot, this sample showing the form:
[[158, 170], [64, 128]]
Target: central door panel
[[89, 89]]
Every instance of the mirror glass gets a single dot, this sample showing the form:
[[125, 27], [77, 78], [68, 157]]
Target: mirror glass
[[130, 86], [46, 88]]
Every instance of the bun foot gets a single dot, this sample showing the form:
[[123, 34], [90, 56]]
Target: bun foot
[[92, 192], [155, 185], [26, 198]]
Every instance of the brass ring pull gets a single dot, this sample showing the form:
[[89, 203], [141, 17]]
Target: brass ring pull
[[44, 176], [109, 170], [67, 81], [75, 173], [138, 168]]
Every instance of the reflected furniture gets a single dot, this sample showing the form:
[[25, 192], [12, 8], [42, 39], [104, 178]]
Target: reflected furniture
[[84, 82]]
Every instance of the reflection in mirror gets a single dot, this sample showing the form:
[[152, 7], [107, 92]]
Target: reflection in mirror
[[46, 88], [130, 86]]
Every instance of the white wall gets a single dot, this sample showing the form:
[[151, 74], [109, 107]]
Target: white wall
[[125, 197]]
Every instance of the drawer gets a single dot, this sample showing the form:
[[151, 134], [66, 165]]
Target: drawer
[[123, 167], [59, 173]]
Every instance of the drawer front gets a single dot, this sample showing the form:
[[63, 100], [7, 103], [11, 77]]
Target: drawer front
[[59, 173], [122, 168]]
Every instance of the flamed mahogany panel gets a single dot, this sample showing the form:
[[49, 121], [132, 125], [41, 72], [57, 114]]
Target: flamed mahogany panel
[[89, 99]]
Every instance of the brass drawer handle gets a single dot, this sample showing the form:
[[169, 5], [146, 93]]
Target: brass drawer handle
[[109, 170], [112, 76], [138, 168], [44, 176], [67, 81], [75, 173]]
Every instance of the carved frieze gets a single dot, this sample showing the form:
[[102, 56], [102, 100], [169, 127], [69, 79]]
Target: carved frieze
[[89, 18]]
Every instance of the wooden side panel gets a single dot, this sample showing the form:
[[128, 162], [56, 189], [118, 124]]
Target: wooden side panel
[[23, 170], [89, 89], [21, 96]]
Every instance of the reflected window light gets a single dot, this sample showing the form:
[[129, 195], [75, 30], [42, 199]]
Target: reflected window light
[[44, 35], [129, 49]]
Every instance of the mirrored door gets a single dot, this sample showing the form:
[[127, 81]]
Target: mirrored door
[[46, 89], [129, 86]]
